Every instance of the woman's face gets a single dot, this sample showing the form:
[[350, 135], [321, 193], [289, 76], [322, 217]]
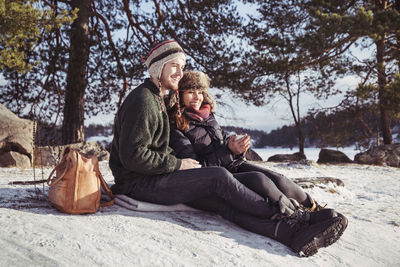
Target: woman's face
[[193, 99]]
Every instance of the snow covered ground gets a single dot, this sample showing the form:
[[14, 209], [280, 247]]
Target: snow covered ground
[[35, 234]]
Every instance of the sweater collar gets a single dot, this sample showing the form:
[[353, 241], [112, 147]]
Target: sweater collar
[[153, 88]]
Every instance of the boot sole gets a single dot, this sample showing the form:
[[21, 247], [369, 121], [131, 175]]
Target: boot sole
[[327, 237]]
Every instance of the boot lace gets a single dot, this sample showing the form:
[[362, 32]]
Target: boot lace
[[315, 207], [298, 220]]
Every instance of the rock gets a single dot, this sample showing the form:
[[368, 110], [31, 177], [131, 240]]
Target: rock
[[288, 157], [310, 182], [386, 155], [252, 155], [15, 135], [324, 183], [14, 159], [332, 156], [51, 155], [89, 149], [47, 155]]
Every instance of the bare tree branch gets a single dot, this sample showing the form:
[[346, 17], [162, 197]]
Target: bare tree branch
[[116, 55], [160, 18], [335, 50], [133, 23]]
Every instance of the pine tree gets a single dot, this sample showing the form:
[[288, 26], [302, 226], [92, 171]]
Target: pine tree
[[337, 26], [273, 63], [21, 24], [86, 66]]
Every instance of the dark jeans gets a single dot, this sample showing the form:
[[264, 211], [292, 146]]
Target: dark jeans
[[215, 183], [269, 184], [253, 224]]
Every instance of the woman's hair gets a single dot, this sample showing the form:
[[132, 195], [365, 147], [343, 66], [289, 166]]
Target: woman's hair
[[191, 80], [181, 120]]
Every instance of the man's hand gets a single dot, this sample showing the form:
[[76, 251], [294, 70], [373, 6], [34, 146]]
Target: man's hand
[[239, 146], [189, 164]]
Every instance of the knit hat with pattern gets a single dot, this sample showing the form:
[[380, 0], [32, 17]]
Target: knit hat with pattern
[[160, 54]]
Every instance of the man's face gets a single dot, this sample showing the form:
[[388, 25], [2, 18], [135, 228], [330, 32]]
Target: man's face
[[172, 73]]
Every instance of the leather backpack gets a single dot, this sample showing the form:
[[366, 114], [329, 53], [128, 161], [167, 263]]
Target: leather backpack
[[76, 187]]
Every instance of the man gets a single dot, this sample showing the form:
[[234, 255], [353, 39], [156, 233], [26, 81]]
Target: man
[[141, 127], [145, 168]]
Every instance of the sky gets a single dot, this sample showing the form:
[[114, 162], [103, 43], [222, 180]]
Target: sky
[[277, 113], [236, 112], [266, 118]]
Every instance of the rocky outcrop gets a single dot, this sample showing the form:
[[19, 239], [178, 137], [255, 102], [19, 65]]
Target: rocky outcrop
[[311, 182], [295, 157], [332, 156], [51, 155], [17, 149], [14, 159], [16, 142], [252, 155], [385, 155]]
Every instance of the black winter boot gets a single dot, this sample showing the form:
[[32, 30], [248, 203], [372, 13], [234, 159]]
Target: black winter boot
[[322, 215], [305, 238], [308, 217]]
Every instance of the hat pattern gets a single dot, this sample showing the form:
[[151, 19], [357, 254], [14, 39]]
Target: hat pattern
[[160, 54]]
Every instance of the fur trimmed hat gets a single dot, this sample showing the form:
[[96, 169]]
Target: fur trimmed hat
[[193, 80], [160, 54]]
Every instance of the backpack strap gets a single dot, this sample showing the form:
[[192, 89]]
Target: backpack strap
[[67, 160], [107, 191]]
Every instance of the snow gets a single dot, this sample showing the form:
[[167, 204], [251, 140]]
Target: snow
[[33, 233]]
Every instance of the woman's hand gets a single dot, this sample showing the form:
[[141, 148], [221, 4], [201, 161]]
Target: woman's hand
[[239, 146]]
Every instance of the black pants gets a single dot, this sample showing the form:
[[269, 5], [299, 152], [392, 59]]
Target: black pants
[[269, 184], [253, 224], [217, 190], [186, 186]]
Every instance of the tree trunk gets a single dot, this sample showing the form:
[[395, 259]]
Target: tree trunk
[[74, 107], [296, 119], [384, 99], [301, 138], [397, 7]]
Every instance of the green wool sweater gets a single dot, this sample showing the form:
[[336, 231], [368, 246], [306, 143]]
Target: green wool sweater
[[141, 137]]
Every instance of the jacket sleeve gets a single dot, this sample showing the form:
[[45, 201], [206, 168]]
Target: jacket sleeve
[[225, 138], [221, 156], [181, 144], [138, 126]]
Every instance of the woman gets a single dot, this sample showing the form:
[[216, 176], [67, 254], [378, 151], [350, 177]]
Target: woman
[[196, 134]]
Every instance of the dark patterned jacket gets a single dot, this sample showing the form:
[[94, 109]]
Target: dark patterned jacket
[[204, 141]]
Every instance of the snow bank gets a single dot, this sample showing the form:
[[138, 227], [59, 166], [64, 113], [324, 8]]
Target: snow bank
[[35, 234]]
